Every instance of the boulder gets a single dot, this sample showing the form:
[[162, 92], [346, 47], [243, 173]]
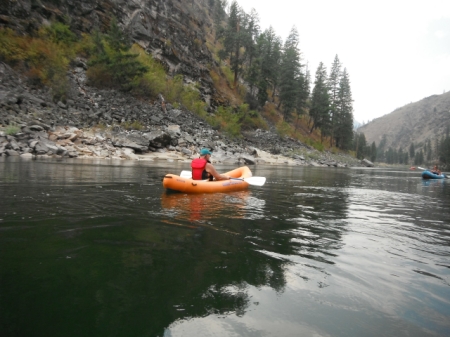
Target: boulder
[[128, 153], [128, 142], [252, 152], [13, 145], [189, 139], [248, 160], [43, 125], [27, 97], [174, 131], [298, 157], [158, 139], [186, 152], [62, 105], [12, 153], [51, 146], [40, 148], [367, 163]]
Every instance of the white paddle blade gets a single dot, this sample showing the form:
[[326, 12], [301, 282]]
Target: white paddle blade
[[186, 174], [256, 181], [421, 168]]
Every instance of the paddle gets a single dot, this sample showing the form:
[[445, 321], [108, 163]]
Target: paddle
[[256, 181], [186, 174], [421, 168]]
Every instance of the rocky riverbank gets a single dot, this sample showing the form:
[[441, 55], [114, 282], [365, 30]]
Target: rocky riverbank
[[110, 124]]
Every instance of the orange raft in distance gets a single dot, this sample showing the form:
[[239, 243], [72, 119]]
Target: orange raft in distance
[[186, 185]]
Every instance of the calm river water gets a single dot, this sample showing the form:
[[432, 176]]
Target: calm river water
[[98, 248]]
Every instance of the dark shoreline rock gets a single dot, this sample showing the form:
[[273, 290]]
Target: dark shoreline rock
[[95, 122]]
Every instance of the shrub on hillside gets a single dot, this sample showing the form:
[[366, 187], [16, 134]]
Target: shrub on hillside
[[42, 60], [111, 62], [114, 68]]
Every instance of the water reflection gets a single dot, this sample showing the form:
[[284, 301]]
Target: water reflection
[[104, 250], [204, 207]]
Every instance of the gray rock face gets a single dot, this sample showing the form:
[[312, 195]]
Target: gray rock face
[[172, 31]]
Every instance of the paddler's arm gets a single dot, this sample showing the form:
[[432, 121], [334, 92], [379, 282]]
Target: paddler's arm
[[209, 168]]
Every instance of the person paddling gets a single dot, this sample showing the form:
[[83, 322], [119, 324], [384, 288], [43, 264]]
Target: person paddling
[[202, 168], [436, 170]]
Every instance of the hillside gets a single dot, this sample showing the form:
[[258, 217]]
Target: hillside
[[172, 32], [412, 123], [166, 52]]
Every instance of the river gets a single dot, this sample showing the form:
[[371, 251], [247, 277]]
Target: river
[[98, 248]]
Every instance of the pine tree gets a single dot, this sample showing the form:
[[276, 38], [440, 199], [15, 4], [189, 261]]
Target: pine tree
[[250, 34], [343, 113], [333, 83], [218, 8], [264, 71], [114, 65], [445, 150], [380, 150], [400, 156], [290, 73], [360, 145], [272, 59], [412, 151], [320, 101], [302, 95], [436, 147], [116, 38], [429, 150], [255, 73], [233, 38], [373, 153]]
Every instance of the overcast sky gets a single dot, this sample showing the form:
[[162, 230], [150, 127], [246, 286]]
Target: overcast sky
[[395, 51]]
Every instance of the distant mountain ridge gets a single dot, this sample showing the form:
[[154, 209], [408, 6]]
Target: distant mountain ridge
[[413, 123]]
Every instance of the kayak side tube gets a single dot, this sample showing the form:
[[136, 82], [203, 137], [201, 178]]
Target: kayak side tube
[[177, 183], [430, 175]]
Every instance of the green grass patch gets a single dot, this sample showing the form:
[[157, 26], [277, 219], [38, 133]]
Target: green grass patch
[[12, 130], [317, 145], [136, 125], [228, 73]]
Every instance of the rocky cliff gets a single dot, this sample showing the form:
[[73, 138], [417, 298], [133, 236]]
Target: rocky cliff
[[173, 31]]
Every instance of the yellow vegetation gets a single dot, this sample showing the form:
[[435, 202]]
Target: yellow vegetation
[[44, 59]]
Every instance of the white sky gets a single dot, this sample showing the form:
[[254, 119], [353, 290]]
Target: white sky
[[395, 51]]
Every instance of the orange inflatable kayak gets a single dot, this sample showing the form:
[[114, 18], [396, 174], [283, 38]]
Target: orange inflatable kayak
[[186, 185]]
